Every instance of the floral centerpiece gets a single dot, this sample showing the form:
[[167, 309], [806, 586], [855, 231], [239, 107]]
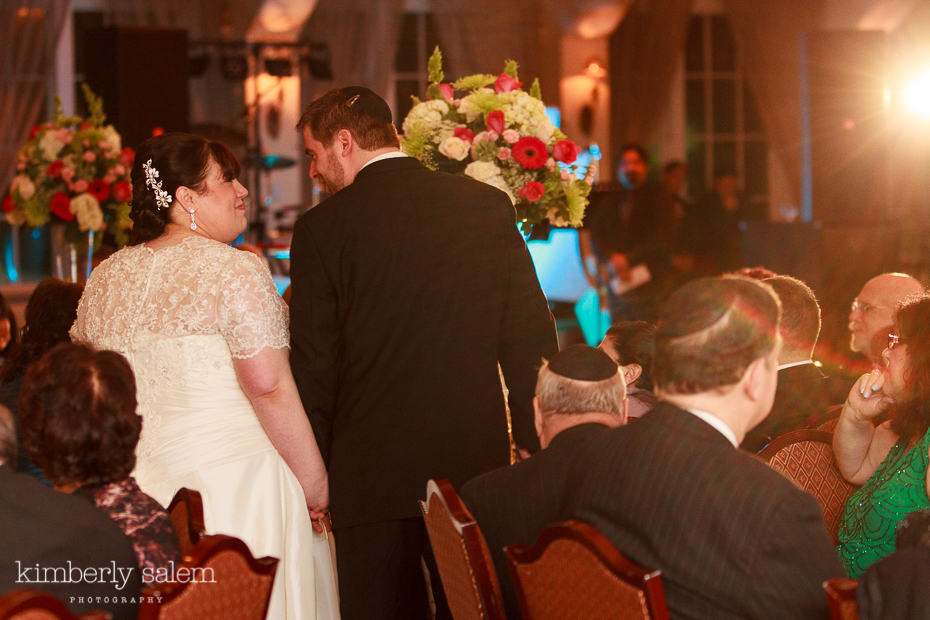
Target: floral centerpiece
[[74, 171], [498, 133]]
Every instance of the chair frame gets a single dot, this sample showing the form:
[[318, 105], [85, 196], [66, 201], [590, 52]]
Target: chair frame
[[795, 436], [647, 581], [193, 503], [485, 585], [841, 591], [203, 551], [24, 600]]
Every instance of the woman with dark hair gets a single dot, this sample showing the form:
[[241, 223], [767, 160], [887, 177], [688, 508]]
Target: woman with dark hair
[[206, 334], [888, 460], [9, 334], [51, 310], [631, 344], [79, 424]]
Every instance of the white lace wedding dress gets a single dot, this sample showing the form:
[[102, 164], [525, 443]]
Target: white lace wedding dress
[[180, 315]]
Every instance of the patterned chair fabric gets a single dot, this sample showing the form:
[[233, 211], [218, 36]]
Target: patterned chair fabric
[[841, 592], [26, 604], [806, 457], [186, 512], [462, 556], [224, 581], [573, 571]]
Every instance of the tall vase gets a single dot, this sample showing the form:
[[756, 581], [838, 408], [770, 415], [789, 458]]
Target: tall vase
[[70, 261]]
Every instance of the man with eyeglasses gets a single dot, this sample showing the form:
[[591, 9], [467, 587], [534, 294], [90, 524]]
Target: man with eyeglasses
[[871, 312]]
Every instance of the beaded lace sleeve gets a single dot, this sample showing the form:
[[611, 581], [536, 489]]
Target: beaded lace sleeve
[[250, 313]]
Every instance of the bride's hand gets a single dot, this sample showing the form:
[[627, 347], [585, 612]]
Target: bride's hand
[[316, 493], [866, 400]]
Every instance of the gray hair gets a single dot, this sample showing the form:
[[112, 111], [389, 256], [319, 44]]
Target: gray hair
[[8, 449], [558, 394]]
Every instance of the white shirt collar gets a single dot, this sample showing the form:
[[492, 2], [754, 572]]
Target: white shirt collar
[[717, 423], [389, 155], [793, 364]]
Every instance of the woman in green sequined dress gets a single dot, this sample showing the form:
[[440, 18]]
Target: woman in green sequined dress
[[888, 460]]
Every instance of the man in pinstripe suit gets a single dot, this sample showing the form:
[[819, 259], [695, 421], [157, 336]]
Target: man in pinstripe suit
[[733, 538]]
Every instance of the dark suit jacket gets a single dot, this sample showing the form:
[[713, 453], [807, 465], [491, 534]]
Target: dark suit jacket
[[52, 529], [803, 394], [732, 537], [409, 286], [513, 505]]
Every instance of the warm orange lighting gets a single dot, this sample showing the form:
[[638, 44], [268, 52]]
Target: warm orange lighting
[[917, 95], [595, 69]]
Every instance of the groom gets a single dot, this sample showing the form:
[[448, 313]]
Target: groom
[[409, 287]]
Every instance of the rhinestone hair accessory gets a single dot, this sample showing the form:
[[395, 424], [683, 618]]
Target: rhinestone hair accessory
[[162, 198]]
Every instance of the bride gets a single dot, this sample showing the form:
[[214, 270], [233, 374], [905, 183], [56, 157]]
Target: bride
[[206, 334]]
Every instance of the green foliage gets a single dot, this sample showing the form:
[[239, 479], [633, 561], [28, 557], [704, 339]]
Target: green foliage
[[486, 101], [434, 67], [94, 106], [433, 91], [415, 144], [36, 213], [511, 68], [474, 82], [536, 90]]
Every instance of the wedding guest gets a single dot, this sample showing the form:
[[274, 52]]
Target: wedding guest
[[674, 493], [9, 334], [80, 426], [205, 331], [51, 310], [631, 344], [579, 395], [46, 530], [870, 314], [888, 460], [398, 324]]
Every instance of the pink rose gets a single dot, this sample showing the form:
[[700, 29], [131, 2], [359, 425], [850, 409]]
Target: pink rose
[[495, 121], [119, 169], [565, 151], [63, 135], [86, 143], [532, 191], [67, 174], [550, 164], [510, 136], [505, 84], [447, 92], [126, 156], [503, 154], [21, 165], [464, 133], [565, 174], [79, 186], [89, 156], [109, 177]]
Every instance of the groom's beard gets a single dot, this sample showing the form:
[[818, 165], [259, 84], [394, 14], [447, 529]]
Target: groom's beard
[[334, 178]]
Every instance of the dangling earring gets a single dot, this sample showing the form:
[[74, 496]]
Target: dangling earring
[[193, 223]]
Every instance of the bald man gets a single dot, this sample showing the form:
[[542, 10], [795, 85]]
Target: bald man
[[872, 312]]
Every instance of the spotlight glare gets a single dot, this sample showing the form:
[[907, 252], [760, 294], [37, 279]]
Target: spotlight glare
[[917, 95]]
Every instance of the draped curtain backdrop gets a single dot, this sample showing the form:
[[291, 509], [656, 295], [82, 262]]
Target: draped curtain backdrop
[[644, 53], [362, 37], [768, 35], [29, 30]]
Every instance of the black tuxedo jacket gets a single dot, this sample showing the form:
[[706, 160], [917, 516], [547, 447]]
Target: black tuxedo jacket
[[732, 537], [513, 505], [409, 286], [51, 529], [803, 393]]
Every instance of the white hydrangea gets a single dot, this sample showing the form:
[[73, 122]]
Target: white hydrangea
[[24, 186], [425, 114], [112, 138], [527, 115], [488, 172], [443, 131], [454, 148], [469, 109], [50, 145], [552, 214], [87, 211]]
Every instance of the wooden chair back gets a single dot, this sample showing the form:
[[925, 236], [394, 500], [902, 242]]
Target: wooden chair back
[[26, 604], [806, 457], [573, 571], [219, 579], [186, 512], [462, 557], [841, 592]]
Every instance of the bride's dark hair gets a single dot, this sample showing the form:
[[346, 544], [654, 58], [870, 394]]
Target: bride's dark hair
[[181, 159]]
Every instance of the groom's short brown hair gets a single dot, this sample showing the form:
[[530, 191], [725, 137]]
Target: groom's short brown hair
[[358, 109]]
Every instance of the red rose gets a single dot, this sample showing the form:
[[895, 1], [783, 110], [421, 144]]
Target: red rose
[[54, 168], [464, 133], [565, 151], [99, 189], [533, 191], [505, 84], [84, 126], [495, 121], [7, 203], [447, 92], [530, 152], [34, 131], [122, 191], [126, 156], [61, 206]]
